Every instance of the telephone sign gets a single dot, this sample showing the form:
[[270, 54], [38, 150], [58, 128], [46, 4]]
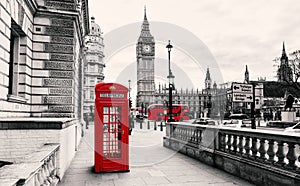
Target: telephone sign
[[111, 128]]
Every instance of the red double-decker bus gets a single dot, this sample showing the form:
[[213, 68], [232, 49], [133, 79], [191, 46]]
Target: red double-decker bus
[[160, 112]]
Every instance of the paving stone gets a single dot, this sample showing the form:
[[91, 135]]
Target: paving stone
[[157, 180], [150, 164]]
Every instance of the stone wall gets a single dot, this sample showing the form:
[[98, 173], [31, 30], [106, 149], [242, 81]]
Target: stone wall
[[20, 137], [40, 61]]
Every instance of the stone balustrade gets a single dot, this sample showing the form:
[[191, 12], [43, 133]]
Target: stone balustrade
[[260, 156], [39, 168], [276, 149]]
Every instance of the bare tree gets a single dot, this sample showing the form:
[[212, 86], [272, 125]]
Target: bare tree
[[295, 64]]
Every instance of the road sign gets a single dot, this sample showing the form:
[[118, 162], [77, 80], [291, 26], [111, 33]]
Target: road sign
[[242, 88], [242, 97], [242, 92]]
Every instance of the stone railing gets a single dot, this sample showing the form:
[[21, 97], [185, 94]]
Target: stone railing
[[263, 157], [275, 149], [39, 168]]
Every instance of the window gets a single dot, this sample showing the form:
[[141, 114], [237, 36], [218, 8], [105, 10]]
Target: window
[[92, 94], [14, 57], [13, 61]]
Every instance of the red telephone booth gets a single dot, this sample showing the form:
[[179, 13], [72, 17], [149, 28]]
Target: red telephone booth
[[111, 128]]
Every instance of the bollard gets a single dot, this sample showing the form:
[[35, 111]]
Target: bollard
[[154, 125], [132, 123], [141, 126], [161, 126], [148, 125]]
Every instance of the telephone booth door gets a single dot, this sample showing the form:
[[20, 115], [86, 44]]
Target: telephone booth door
[[111, 128]]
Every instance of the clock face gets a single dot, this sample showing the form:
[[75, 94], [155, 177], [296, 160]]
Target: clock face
[[147, 48]]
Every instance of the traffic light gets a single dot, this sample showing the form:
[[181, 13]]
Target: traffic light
[[130, 103]]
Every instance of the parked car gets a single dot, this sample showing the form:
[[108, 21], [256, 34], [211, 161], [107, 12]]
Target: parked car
[[204, 121], [237, 120], [294, 128]]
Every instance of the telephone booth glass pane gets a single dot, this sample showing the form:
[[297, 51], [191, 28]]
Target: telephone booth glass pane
[[112, 132]]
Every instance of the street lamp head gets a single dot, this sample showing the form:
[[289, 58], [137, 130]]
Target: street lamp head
[[169, 46]]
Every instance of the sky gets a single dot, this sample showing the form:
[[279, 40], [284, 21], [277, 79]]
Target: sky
[[223, 35]]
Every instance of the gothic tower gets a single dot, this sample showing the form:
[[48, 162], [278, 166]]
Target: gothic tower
[[246, 75], [284, 71], [207, 80], [145, 54]]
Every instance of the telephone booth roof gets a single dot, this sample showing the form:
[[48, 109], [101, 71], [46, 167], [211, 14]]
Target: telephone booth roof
[[110, 87]]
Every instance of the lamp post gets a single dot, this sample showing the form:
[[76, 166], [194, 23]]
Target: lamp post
[[171, 83], [129, 87]]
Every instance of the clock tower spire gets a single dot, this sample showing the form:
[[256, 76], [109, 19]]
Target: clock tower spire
[[145, 54]]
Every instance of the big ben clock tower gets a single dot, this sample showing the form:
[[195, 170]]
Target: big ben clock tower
[[145, 53]]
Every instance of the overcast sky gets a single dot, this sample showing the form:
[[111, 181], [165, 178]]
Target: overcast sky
[[236, 32]]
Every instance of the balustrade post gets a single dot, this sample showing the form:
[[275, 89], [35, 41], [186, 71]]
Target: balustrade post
[[298, 169], [291, 156], [193, 138], [234, 144], [197, 136], [280, 155], [240, 145], [247, 147], [271, 153], [254, 148], [40, 177], [262, 150], [228, 143], [37, 179]]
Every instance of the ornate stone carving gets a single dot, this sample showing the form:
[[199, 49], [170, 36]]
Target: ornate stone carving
[[57, 100], [57, 82], [64, 40], [63, 108], [61, 57], [64, 74], [62, 22], [59, 48], [59, 31], [60, 91], [49, 65], [65, 5]]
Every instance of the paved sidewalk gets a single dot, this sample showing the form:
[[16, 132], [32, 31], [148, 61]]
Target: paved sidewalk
[[150, 164]]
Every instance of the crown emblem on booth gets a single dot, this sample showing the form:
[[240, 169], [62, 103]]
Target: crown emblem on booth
[[112, 88]]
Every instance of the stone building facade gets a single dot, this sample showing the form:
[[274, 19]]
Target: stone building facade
[[40, 57], [93, 65]]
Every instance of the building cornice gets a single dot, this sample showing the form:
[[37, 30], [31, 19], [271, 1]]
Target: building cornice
[[32, 5]]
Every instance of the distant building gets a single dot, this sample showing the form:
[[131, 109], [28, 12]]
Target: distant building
[[41, 70], [93, 65], [145, 54], [199, 101], [188, 97]]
